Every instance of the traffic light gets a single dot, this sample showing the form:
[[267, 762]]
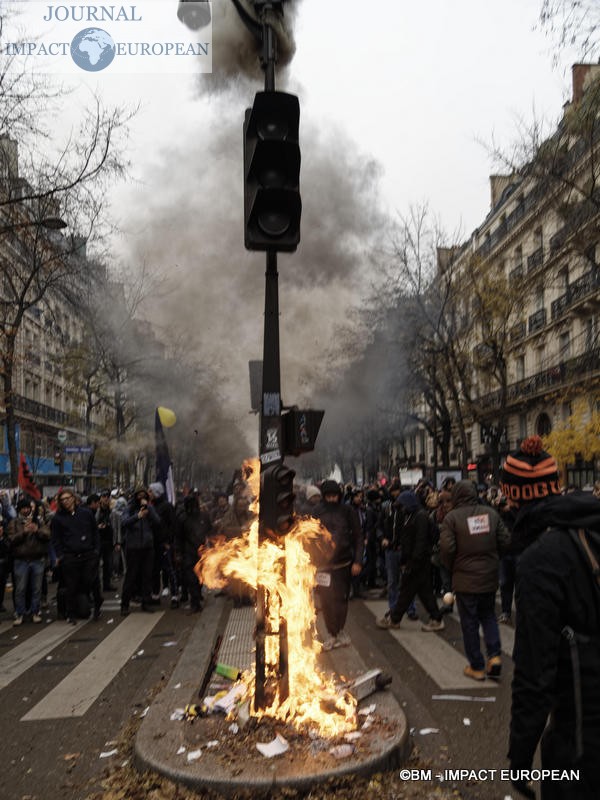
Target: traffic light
[[300, 429], [277, 498], [272, 205]]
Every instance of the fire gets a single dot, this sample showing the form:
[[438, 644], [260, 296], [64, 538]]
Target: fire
[[287, 574]]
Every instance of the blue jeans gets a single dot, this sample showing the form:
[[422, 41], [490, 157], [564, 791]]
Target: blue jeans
[[476, 610], [23, 570], [394, 575]]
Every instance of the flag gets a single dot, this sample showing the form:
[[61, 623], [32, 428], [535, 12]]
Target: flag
[[164, 467], [26, 482]]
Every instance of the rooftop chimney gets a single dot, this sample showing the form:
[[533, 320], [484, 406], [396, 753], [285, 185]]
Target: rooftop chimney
[[583, 75]]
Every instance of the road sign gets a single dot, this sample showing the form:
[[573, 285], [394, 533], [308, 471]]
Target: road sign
[[79, 448], [62, 436]]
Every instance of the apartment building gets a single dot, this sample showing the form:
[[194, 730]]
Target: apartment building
[[543, 235]]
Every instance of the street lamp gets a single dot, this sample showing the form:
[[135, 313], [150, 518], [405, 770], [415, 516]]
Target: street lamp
[[50, 223]]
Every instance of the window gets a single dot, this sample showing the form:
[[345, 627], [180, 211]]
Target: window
[[565, 411], [518, 256], [522, 426], [520, 367], [563, 279], [564, 345], [591, 332], [538, 237], [539, 297], [540, 358]]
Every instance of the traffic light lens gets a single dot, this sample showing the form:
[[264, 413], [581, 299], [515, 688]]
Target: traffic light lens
[[273, 223], [275, 128]]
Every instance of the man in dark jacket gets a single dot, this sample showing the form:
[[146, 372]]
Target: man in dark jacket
[[76, 543], [107, 538], [472, 538], [194, 526], [138, 525], [415, 566], [345, 561], [557, 636]]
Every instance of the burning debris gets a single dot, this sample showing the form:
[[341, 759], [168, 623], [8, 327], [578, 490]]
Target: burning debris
[[314, 702]]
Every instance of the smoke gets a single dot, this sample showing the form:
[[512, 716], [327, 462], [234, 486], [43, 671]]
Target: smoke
[[193, 227]]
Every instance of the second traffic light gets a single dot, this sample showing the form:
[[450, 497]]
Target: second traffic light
[[272, 205], [277, 498]]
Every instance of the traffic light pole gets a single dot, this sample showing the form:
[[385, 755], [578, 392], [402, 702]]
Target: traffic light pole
[[271, 441]]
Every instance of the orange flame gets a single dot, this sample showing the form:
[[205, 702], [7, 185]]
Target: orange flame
[[314, 700]]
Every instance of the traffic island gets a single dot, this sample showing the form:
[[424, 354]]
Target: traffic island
[[220, 753]]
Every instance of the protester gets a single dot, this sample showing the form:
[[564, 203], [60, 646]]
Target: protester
[[29, 539], [345, 561], [77, 545], [415, 566], [556, 683], [472, 538], [138, 524]]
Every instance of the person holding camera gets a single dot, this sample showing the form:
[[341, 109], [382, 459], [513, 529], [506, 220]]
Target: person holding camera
[[139, 522]]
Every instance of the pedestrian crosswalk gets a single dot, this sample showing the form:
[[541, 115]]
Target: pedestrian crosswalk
[[443, 662], [77, 692]]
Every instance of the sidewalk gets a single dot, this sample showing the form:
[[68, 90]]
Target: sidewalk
[[166, 745]]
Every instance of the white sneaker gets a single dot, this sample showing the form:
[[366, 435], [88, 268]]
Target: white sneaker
[[329, 643], [37, 618], [18, 620], [165, 593], [433, 625], [342, 640]]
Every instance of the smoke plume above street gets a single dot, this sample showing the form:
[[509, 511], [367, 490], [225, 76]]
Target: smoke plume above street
[[192, 230]]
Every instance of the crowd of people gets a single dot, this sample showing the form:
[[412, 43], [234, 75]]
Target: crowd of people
[[453, 544]]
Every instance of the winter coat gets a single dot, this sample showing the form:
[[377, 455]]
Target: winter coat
[[412, 532], [193, 528], [343, 524], [472, 539], [138, 532], [76, 533], [28, 545], [556, 597]]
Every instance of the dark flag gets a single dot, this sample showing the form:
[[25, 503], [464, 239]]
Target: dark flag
[[26, 483], [164, 467]]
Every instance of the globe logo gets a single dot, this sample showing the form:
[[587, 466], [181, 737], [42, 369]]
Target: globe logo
[[92, 49]]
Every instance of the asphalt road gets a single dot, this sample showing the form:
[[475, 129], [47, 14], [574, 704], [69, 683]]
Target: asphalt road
[[67, 694]]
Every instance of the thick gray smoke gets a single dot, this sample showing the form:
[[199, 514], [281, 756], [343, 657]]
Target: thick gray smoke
[[193, 227]]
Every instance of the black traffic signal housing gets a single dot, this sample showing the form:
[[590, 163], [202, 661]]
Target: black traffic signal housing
[[277, 498], [300, 429], [272, 205]]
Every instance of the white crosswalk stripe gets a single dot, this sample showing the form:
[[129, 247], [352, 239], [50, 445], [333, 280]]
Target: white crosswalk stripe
[[25, 655], [440, 660], [76, 693]]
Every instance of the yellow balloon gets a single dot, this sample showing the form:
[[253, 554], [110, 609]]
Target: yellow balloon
[[167, 417]]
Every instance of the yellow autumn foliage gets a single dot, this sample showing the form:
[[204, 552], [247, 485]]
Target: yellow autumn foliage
[[577, 437]]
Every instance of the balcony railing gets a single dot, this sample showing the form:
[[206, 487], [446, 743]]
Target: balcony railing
[[516, 274], [584, 286], [535, 260], [565, 372], [27, 406], [537, 320]]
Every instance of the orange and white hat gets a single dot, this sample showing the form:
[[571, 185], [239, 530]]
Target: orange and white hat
[[530, 473]]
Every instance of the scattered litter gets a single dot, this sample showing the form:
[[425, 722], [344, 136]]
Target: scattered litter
[[212, 743], [342, 751], [144, 712], [278, 746], [169, 644], [14, 637], [466, 721], [425, 731], [234, 728], [177, 686], [231, 638], [228, 701], [112, 743], [25, 699], [352, 736], [484, 699], [124, 763], [367, 710], [140, 653], [109, 753], [48, 658], [110, 621], [194, 755], [71, 756], [177, 715], [181, 750], [367, 723]]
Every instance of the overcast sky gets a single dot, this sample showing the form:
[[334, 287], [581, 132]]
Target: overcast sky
[[417, 86], [396, 98]]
